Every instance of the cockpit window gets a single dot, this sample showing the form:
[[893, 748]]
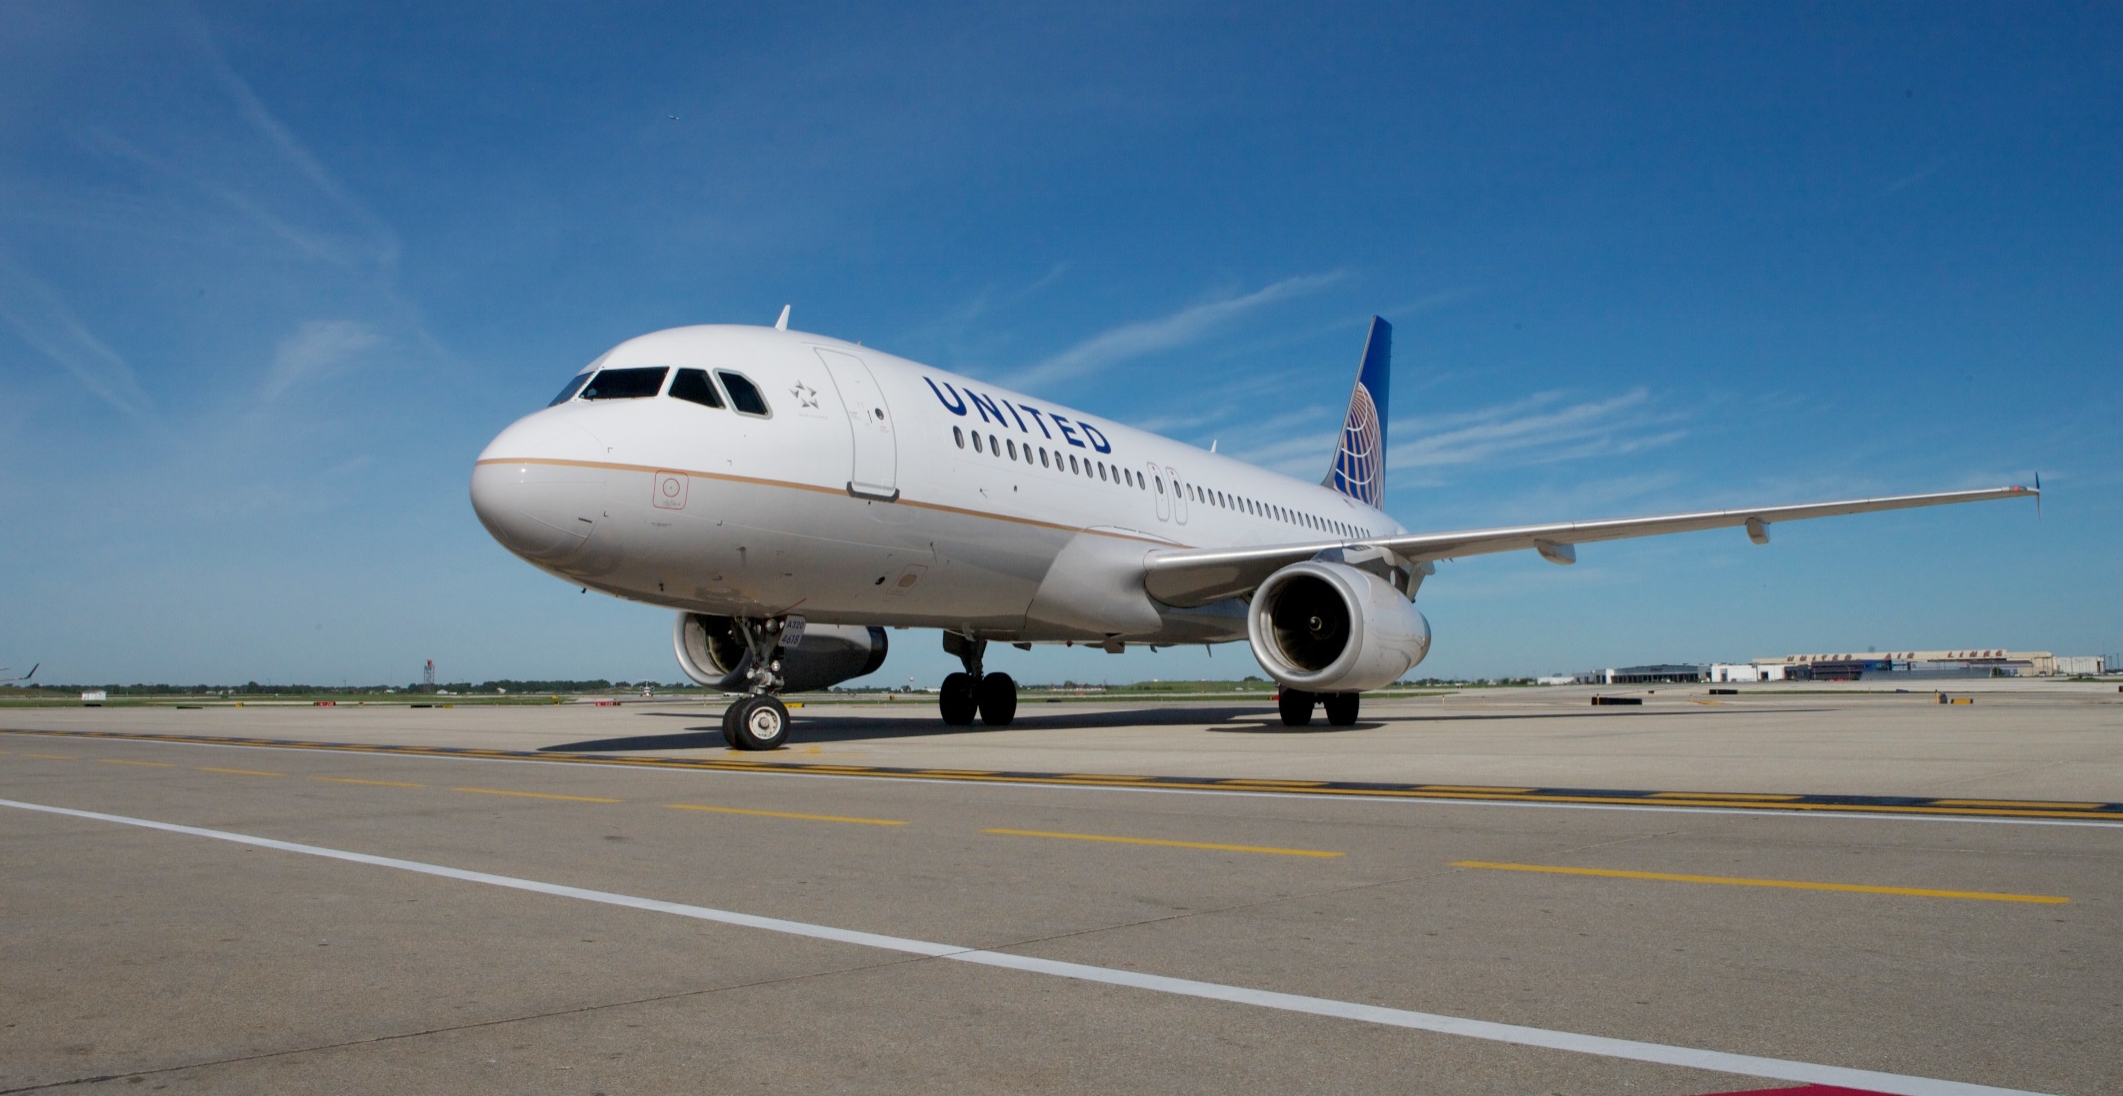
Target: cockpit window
[[625, 384], [694, 385], [744, 395], [575, 384]]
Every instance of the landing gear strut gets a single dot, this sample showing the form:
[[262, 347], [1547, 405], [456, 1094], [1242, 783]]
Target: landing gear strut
[[992, 696], [760, 721]]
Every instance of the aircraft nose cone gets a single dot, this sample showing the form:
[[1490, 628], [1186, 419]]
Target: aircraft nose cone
[[538, 489]]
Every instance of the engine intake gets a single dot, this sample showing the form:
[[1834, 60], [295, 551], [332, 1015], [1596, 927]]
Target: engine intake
[[1328, 628], [712, 653]]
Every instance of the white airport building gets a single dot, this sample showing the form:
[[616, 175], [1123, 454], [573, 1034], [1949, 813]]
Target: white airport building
[[1967, 662]]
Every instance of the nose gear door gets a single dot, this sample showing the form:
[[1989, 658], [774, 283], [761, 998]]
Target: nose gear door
[[875, 472]]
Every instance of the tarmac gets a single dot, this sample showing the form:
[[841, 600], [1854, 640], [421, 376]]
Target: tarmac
[[1504, 891]]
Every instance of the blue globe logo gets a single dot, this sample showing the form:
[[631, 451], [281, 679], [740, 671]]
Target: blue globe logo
[[1359, 470]]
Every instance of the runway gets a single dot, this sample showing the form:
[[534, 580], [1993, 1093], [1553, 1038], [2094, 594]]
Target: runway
[[266, 918]]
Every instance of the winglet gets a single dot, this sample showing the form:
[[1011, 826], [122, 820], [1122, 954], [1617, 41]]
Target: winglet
[[2038, 496], [782, 324], [1359, 469]]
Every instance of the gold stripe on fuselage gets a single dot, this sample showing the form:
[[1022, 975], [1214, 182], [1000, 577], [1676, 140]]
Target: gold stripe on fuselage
[[757, 481]]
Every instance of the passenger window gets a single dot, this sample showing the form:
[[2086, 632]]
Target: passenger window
[[1072, 462], [995, 448], [976, 442], [1042, 456], [694, 385], [1160, 482], [625, 384], [958, 435], [574, 385], [744, 395]]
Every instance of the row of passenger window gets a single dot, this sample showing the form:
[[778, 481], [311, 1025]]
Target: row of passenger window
[[1059, 461], [1271, 511], [1207, 496], [692, 385]]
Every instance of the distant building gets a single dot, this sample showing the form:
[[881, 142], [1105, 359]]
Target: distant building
[[1661, 674], [1962, 663], [1852, 666], [1743, 672]]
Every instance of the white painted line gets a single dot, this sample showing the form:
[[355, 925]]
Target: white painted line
[[1715, 1061], [1653, 808]]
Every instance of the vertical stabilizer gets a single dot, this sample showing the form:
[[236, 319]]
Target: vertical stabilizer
[[1360, 464]]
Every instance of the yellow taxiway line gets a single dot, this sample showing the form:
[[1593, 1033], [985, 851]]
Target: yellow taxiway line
[[370, 783], [1166, 844], [540, 795], [237, 772], [786, 814], [1792, 884]]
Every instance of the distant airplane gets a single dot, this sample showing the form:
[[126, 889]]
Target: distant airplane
[[18, 680], [792, 495]]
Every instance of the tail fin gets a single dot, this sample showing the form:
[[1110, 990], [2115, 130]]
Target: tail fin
[[1360, 464]]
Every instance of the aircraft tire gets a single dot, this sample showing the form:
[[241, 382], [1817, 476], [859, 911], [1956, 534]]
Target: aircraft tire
[[957, 701], [729, 723], [762, 723], [1296, 706], [1341, 707], [997, 694]]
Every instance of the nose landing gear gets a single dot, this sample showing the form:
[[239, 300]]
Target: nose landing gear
[[760, 721], [992, 696]]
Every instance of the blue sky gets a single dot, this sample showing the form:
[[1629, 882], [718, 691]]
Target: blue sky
[[271, 275]]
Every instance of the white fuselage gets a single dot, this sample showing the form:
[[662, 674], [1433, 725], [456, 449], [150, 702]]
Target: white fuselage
[[861, 498]]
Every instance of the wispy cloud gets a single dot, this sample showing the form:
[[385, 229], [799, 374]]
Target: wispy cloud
[[41, 319], [1536, 430], [1187, 325], [317, 350], [1914, 177]]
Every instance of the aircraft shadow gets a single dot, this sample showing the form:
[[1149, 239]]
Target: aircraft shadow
[[841, 727], [1222, 719]]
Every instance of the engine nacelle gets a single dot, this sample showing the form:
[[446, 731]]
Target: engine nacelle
[[1332, 628], [712, 653]]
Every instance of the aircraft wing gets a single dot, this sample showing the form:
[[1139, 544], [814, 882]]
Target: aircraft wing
[[1189, 577]]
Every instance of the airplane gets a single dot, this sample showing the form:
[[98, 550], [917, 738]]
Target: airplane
[[793, 495], [18, 680]]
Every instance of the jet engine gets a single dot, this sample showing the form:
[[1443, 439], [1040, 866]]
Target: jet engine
[[1328, 627], [711, 652]]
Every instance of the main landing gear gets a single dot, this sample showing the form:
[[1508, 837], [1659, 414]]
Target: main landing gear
[[1296, 707], [760, 721], [992, 696]]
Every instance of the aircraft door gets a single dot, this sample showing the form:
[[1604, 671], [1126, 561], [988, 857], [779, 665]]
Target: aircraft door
[[1179, 495], [875, 473], [1158, 487]]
